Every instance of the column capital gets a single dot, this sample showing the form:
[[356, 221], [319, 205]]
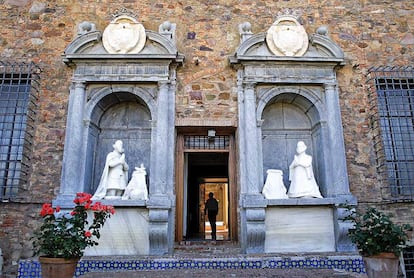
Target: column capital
[[78, 84], [163, 84], [249, 85], [330, 85]]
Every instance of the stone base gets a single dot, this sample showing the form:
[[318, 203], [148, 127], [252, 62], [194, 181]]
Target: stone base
[[125, 233], [299, 229]]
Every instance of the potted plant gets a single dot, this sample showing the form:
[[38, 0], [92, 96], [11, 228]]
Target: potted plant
[[378, 240], [64, 235]]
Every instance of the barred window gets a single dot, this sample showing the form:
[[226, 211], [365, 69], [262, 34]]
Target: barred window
[[394, 119], [408, 254], [207, 143], [18, 98]]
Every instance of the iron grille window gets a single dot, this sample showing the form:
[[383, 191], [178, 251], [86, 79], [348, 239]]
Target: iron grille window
[[18, 98], [408, 255], [206, 142], [394, 96]]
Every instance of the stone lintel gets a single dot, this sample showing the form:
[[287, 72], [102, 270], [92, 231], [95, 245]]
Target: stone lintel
[[123, 71], [308, 73], [127, 57], [285, 59], [206, 122]]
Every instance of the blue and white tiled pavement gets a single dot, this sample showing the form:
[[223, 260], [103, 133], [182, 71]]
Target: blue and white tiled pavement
[[205, 257]]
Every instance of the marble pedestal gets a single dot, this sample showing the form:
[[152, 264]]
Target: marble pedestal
[[308, 225], [299, 229], [125, 233]]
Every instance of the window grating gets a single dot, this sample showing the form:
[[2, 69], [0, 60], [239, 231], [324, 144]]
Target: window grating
[[408, 254], [18, 98], [392, 104], [206, 142]]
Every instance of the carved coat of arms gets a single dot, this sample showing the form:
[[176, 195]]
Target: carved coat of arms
[[124, 35], [286, 37]]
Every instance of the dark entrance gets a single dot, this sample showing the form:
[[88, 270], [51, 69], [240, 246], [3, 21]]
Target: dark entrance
[[207, 172], [205, 161]]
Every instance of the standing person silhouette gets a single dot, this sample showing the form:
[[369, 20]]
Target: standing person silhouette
[[211, 207]]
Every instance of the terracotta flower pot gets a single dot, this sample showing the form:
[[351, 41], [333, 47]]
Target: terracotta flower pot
[[58, 267], [383, 265]]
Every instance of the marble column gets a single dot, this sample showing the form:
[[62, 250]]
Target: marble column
[[159, 203], [160, 144], [337, 182], [253, 185], [253, 203], [73, 165]]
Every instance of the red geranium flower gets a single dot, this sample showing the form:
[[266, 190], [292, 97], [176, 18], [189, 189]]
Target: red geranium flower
[[67, 234]]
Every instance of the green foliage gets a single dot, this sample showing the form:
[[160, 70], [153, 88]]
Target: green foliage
[[374, 232], [67, 234]]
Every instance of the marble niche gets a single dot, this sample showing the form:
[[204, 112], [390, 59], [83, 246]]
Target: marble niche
[[123, 88], [287, 81]]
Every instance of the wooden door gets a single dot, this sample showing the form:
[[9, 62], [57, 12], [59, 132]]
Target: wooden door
[[180, 176], [201, 214]]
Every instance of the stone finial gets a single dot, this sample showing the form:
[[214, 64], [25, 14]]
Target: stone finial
[[245, 30], [86, 27], [322, 30], [167, 29]]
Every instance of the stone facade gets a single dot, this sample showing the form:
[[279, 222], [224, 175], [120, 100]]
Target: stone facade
[[370, 33]]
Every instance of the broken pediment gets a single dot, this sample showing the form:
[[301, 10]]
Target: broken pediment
[[286, 39], [124, 37]]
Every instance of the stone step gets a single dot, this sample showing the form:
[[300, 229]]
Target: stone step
[[204, 248]]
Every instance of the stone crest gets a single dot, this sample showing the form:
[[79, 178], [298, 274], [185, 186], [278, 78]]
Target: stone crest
[[124, 35], [287, 37]]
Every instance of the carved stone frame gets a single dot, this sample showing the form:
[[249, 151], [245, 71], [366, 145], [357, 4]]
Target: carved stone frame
[[256, 67], [155, 66]]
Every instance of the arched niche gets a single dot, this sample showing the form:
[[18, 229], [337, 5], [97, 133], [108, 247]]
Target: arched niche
[[286, 119], [117, 116]]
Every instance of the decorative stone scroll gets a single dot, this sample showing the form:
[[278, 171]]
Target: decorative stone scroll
[[287, 37], [124, 35]]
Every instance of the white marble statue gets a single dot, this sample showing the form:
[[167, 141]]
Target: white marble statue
[[137, 186], [114, 177], [303, 183], [274, 187]]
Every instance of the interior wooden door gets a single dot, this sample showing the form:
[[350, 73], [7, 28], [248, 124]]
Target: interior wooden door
[[201, 214]]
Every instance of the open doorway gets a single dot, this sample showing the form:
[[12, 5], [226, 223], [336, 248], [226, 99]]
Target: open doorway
[[219, 188], [206, 172], [205, 164]]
